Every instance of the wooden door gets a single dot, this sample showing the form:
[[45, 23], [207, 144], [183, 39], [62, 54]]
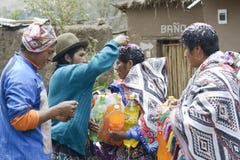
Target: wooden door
[[179, 70]]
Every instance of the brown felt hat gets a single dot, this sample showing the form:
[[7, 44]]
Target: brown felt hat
[[65, 42]]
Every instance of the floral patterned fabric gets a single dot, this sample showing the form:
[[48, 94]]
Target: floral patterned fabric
[[108, 152]]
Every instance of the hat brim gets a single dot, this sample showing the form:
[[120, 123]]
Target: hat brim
[[83, 44]]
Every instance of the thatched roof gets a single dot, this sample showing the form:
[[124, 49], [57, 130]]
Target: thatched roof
[[127, 4]]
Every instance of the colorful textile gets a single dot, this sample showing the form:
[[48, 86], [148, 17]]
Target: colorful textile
[[207, 122], [22, 89], [39, 36], [76, 82], [62, 152], [108, 152], [233, 59], [118, 87], [148, 82], [167, 142], [137, 153]]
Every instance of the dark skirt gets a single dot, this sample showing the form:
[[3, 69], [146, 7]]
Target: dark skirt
[[62, 152]]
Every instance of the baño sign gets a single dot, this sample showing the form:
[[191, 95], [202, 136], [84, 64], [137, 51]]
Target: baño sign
[[175, 27]]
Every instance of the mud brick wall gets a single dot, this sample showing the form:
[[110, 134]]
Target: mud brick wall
[[10, 39]]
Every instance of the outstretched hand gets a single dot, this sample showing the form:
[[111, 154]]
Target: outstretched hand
[[122, 40]]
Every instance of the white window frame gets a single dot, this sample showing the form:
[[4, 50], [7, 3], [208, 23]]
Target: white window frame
[[220, 12]]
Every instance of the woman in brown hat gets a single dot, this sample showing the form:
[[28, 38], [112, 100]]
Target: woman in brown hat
[[74, 79]]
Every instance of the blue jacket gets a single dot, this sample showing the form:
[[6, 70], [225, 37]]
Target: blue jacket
[[22, 89], [75, 82]]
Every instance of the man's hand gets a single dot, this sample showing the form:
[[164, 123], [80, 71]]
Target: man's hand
[[65, 110]]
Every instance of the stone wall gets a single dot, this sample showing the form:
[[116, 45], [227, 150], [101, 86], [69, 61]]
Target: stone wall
[[10, 40]]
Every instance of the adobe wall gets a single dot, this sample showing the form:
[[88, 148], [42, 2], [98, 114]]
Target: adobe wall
[[228, 33], [10, 40], [147, 26]]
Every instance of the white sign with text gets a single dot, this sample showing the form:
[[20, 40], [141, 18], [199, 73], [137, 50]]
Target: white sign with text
[[173, 28]]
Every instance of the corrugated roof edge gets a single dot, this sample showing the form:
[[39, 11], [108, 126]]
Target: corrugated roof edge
[[11, 23]]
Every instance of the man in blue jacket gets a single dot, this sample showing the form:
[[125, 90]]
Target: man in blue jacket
[[25, 126]]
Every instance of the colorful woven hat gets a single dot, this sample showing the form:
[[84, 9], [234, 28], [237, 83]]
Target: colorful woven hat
[[39, 36]]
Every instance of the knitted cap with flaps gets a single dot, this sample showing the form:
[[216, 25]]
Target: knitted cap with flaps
[[39, 36]]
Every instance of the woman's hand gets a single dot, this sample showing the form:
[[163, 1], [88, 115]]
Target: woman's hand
[[122, 40], [117, 136], [93, 126]]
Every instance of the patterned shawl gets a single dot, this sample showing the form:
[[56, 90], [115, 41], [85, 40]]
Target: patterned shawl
[[148, 82], [207, 122]]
